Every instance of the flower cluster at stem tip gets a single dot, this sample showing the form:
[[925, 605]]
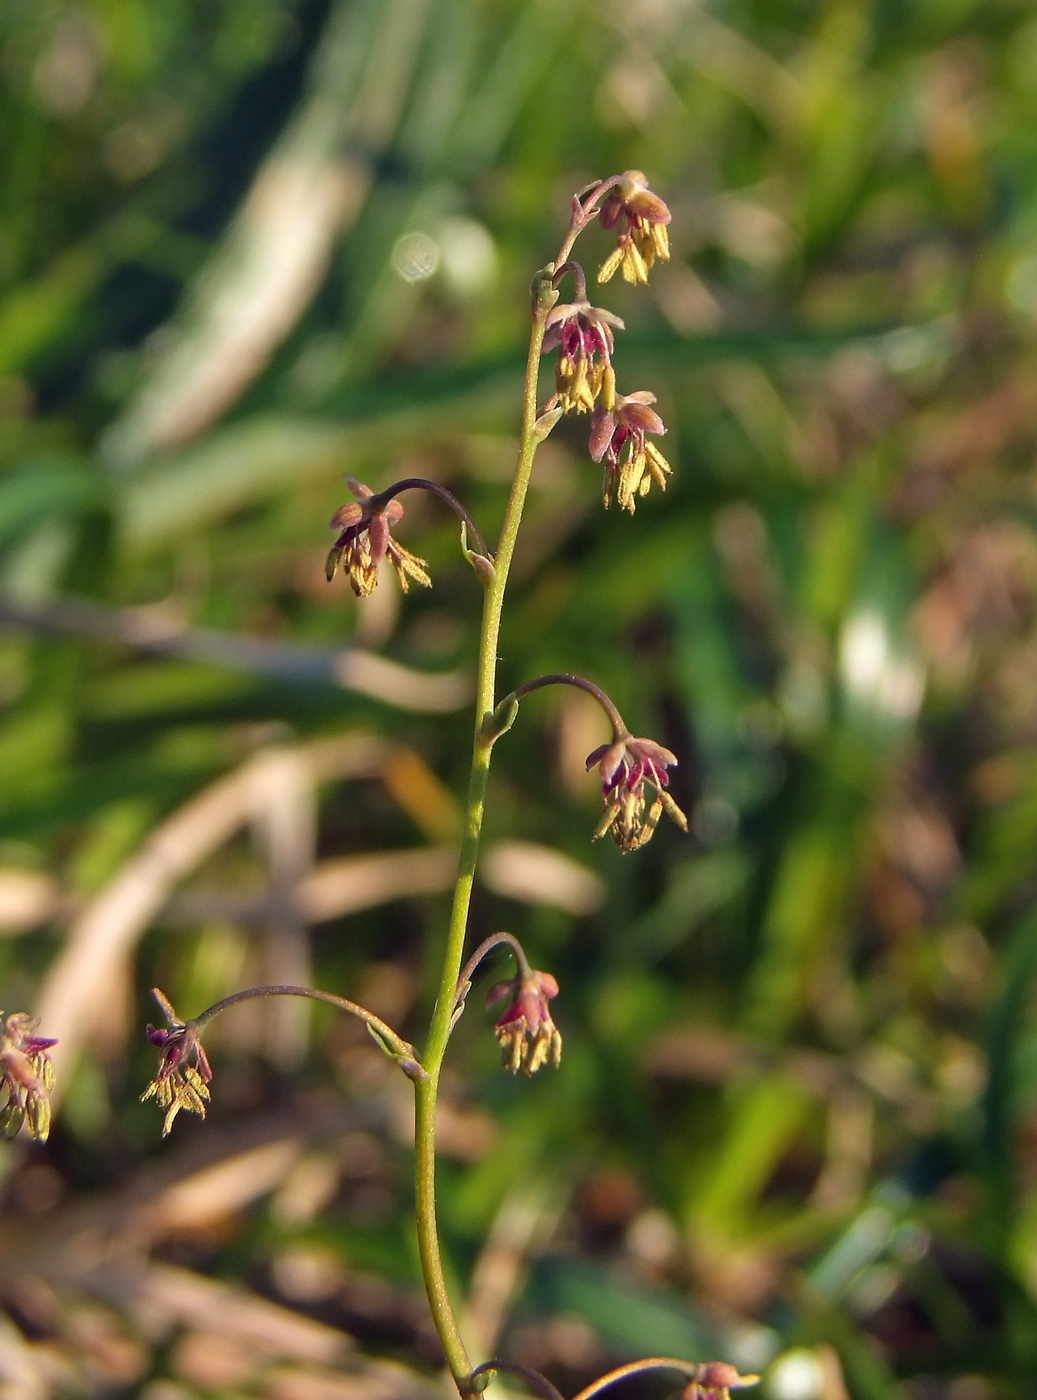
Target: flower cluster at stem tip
[[26, 1077], [585, 381]]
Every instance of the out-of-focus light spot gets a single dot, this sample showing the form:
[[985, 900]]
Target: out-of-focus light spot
[[795, 1376], [910, 348], [803, 698], [653, 1239], [865, 651], [873, 674], [1021, 285], [65, 75], [415, 256], [715, 820], [468, 254], [751, 1347], [906, 348], [872, 1289]]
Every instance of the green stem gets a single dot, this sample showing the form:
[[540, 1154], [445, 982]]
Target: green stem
[[426, 1090]]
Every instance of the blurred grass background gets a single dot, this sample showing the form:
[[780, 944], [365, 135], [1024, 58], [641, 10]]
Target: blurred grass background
[[247, 247]]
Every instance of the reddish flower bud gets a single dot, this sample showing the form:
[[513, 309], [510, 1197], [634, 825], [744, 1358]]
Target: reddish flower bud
[[714, 1380], [26, 1078], [627, 767], [527, 1035], [366, 540]]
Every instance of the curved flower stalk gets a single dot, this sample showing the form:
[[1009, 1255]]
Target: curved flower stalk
[[704, 1380]]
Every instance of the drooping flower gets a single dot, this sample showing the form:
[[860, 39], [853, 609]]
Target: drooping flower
[[641, 218], [628, 766], [26, 1077], [525, 1031], [583, 336], [366, 540], [178, 1083], [715, 1380], [631, 463]]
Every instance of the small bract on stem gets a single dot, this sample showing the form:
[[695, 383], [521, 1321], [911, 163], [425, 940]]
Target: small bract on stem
[[633, 771]]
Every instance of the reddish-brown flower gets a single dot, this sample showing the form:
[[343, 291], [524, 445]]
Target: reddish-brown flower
[[628, 766], [178, 1083], [583, 336], [26, 1078], [525, 1031], [715, 1380], [641, 218], [366, 540], [618, 437]]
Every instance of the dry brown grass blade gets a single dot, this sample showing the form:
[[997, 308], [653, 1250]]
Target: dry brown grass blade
[[182, 1298], [261, 277], [330, 890], [523, 871], [221, 1190], [537, 874], [285, 828], [72, 1004], [521, 1227], [27, 898], [148, 630], [338, 887], [400, 686]]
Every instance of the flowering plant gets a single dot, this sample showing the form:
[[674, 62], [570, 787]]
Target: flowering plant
[[633, 770]]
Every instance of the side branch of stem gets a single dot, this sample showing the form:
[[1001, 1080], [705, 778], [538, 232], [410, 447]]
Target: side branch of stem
[[620, 730], [400, 1048]]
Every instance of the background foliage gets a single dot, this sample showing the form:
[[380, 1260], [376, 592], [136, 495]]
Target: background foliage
[[246, 247]]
